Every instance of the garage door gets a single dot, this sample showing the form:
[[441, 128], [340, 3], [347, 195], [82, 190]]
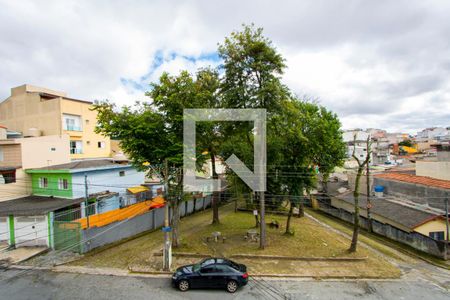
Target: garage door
[[31, 231], [4, 231]]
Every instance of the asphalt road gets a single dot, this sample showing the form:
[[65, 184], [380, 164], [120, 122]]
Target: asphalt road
[[15, 284]]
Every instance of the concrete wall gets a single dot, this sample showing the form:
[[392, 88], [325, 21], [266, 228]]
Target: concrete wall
[[434, 169], [413, 239], [443, 156], [417, 193], [99, 236], [362, 182]]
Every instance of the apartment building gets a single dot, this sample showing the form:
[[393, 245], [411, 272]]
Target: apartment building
[[36, 111]]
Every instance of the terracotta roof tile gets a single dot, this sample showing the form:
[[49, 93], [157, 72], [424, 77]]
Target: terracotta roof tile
[[423, 180]]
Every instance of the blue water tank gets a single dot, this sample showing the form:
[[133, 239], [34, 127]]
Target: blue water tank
[[379, 188]]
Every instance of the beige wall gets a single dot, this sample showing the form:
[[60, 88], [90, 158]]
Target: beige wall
[[36, 152], [23, 111], [21, 188], [116, 150], [88, 122], [11, 155], [42, 151], [434, 169], [432, 226]]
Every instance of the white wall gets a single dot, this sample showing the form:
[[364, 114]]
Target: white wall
[[106, 180]]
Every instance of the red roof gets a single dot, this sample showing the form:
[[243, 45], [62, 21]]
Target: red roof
[[423, 180]]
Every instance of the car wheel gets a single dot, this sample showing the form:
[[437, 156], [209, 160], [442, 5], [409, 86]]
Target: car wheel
[[232, 286], [183, 285]]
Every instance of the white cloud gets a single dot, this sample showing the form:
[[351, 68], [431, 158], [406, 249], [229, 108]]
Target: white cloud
[[377, 64]]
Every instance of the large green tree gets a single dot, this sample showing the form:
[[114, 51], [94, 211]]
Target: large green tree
[[153, 132], [310, 140], [252, 79]]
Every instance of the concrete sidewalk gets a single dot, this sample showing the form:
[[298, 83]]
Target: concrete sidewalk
[[18, 255]]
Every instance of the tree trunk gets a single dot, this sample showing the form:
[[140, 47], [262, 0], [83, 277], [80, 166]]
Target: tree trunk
[[356, 215], [301, 210], [215, 201], [288, 222]]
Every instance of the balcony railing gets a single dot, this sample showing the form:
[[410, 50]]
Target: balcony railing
[[72, 128], [76, 151]]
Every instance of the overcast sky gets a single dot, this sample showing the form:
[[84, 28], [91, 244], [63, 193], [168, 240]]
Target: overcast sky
[[383, 64]]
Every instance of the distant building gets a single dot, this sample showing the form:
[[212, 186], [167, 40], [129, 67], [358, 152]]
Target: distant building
[[35, 111], [432, 134], [356, 141]]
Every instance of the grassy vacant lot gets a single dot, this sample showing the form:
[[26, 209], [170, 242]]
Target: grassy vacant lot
[[310, 240]]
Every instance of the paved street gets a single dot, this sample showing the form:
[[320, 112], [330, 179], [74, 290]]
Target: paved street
[[15, 284]]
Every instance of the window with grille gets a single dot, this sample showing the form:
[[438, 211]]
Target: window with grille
[[43, 182], [63, 184]]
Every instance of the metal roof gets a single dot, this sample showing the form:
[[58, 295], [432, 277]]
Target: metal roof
[[407, 216], [34, 205]]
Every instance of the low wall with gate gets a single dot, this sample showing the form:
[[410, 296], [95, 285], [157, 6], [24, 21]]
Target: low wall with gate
[[95, 237]]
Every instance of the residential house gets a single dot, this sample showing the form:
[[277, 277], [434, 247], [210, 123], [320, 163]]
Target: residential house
[[59, 194], [19, 154], [36, 111], [409, 209]]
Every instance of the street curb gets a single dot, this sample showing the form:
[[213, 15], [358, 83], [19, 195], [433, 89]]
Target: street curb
[[130, 273], [249, 256]]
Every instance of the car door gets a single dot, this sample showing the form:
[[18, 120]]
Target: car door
[[207, 277], [222, 275]]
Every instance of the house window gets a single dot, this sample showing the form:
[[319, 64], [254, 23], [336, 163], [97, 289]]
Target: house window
[[437, 235], [53, 149], [71, 122], [43, 182], [122, 173], [76, 147], [63, 184], [1, 154], [7, 176], [101, 144]]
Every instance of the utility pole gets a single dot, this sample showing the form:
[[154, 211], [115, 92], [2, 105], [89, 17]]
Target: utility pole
[[167, 244], [446, 225], [86, 202], [369, 204]]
